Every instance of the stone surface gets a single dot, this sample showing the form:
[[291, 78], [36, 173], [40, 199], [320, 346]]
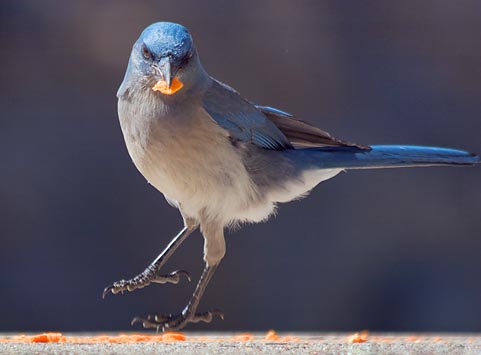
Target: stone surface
[[300, 343]]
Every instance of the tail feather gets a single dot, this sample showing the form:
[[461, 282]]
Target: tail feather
[[385, 156]]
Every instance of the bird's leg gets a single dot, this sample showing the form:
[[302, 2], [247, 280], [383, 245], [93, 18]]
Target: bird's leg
[[188, 315], [150, 274], [214, 251]]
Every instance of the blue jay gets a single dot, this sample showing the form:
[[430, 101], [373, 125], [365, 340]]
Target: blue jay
[[222, 160]]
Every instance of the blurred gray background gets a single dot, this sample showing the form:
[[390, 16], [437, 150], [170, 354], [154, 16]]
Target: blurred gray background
[[395, 250]]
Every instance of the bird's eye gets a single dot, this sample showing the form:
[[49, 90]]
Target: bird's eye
[[146, 53], [186, 58]]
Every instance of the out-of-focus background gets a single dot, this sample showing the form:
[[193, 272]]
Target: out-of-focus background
[[393, 250]]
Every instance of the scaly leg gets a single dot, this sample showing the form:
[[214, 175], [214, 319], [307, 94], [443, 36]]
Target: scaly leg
[[188, 315], [151, 273]]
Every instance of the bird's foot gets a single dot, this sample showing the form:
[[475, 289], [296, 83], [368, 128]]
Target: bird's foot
[[163, 322], [145, 279]]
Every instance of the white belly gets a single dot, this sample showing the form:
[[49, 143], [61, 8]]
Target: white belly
[[198, 168]]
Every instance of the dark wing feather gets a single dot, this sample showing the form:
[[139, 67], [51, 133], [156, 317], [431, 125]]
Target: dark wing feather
[[301, 134], [241, 119]]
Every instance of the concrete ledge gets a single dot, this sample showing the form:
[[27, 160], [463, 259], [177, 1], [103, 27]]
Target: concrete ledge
[[292, 343]]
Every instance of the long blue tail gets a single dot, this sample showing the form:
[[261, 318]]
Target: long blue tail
[[384, 156]]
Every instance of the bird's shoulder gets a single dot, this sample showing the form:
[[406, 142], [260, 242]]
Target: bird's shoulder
[[243, 120]]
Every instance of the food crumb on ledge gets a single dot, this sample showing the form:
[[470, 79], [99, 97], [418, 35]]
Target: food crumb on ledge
[[360, 337]]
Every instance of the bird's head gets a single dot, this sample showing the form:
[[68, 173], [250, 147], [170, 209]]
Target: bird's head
[[164, 59]]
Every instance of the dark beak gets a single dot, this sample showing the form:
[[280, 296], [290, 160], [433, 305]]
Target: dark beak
[[164, 72], [165, 69]]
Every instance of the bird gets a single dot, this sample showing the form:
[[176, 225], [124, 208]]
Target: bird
[[223, 160]]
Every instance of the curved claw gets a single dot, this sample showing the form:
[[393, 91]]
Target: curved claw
[[136, 320], [181, 273], [218, 313], [107, 290], [146, 323], [117, 287]]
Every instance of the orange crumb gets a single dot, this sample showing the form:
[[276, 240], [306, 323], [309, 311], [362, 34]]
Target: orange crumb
[[161, 86], [173, 336], [121, 338], [271, 336], [47, 338], [359, 337]]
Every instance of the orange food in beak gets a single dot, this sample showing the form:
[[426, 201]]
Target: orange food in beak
[[161, 86]]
